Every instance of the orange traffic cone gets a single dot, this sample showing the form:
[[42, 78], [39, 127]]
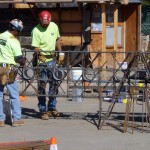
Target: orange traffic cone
[[53, 144], [22, 98]]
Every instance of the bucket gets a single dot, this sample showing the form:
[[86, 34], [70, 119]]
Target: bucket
[[76, 73], [76, 95], [124, 65]]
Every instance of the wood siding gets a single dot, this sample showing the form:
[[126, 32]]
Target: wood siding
[[131, 20]]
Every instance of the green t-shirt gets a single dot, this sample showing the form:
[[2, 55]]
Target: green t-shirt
[[45, 39], [9, 48]]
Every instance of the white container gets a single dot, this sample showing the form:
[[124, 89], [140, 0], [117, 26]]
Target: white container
[[124, 65], [76, 73], [76, 95]]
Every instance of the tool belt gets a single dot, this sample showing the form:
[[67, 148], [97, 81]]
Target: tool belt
[[7, 74], [41, 58]]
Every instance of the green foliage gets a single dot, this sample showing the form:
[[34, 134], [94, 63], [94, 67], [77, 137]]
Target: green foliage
[[145, 3]]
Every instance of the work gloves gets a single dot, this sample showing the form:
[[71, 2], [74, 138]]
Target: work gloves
[[61, 58]]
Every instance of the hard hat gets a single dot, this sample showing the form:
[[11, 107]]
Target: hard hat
[[44, 16], [16, 24]]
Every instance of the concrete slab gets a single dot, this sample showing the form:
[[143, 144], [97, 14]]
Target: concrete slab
[[77, 129]]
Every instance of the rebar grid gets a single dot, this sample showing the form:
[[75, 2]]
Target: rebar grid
[[124, 74]]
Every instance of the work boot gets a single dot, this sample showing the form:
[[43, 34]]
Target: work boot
[[54, 113], [44, 116], [17, 123], [2, 123]]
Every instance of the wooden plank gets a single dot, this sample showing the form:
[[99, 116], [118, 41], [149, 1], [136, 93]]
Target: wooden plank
[[103, 40], [38, 145], [110, 59], [71, 28], [126, 2], [131, 27], [103, 27], [95, 46], [71, 15], [47, 1], [96, 41], [116, 27], [20, 5], [139, 28], [71, 40], [60, 1], [103, 1], [55, 15], [119, 56], [34, 1], [93, 56]]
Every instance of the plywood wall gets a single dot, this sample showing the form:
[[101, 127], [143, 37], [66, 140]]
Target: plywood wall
[[131, 27]]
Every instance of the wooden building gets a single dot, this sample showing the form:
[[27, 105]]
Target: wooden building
[[102, 25]]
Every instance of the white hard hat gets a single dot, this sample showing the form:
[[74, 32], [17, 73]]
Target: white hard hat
[[16, 24]]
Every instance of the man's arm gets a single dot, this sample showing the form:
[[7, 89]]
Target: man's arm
[[20, 59], [59, 47], [36, 50], [59, 44]]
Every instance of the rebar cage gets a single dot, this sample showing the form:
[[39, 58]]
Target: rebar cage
[[107, 76]]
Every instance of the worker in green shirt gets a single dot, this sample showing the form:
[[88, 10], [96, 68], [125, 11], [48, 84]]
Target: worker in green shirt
[[10, 54], [45, 38]]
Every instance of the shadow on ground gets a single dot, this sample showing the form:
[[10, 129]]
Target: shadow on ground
[[90, 117], [93, 118]]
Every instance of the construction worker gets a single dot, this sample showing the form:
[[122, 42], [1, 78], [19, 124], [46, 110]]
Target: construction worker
[[10, 54], [45, 38]]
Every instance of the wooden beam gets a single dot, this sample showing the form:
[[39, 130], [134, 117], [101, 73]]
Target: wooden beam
[[103, 40], [126, 2], [71, 40], [34, 1], [139, 27], [62, 1], [103, 27], [47, 1], [116, 28]]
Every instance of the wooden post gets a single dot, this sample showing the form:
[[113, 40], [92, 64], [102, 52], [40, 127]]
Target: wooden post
[[139, 28], [126, 2], [116, 28], [103, 39]]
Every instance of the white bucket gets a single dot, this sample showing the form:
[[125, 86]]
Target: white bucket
[[124, 65], [76, 95], [76, 73]]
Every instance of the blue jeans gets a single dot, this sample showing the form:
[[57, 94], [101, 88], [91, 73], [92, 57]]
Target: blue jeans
[[15, 102], [46, 76]]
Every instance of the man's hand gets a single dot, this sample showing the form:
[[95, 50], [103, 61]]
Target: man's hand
[[61, 58], [21, 60], [36, 51]]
